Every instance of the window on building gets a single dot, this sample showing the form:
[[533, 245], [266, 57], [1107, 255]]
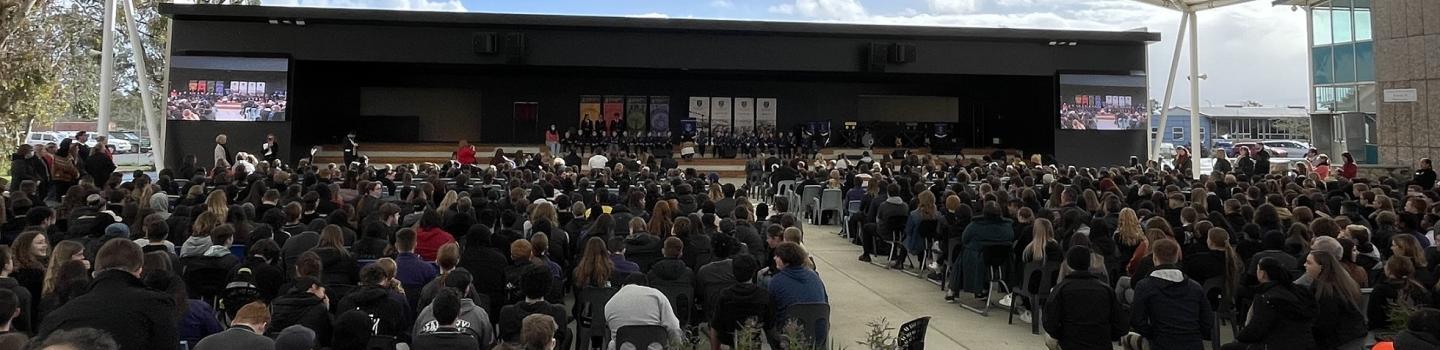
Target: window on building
[[1324, 98], [1342, 29], [1362, 23], [1323, 61], [1368, 98], [1344, 63], [1177, 133], [1365, 61], [1320, 18], [1347, 99]]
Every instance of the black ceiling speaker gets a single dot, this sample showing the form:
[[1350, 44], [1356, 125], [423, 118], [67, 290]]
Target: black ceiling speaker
[[486, 43], [515, 47], [902, 53], [876, 57]]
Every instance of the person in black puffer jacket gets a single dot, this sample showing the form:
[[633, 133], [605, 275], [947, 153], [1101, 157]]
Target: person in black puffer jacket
[[305, 304], [740, 302], [1422, 332], [1082, 312], [486, 265], [388, 312], [1282, 314]]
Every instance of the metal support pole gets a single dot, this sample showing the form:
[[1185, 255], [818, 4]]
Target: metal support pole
[[1195, 154], [107, 69], [143, 75], [157, 140], [1169, 89]]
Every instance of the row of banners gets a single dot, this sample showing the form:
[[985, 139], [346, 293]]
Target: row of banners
[[712, 115]]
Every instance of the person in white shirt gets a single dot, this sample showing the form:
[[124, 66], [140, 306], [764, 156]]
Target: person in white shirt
[[637, 305], [598, 161], [222, 154]]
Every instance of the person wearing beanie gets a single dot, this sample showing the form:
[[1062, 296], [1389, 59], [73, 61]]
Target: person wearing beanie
[[295, 337], [1082, 312]]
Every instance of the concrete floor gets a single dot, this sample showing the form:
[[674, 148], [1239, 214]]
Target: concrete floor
[[861, 292]]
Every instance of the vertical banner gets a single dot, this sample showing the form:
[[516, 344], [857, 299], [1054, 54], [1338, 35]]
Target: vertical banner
[[720, 113], [659, 113], [765, 115], [589, 108], [635, 107], [700, 112], [744, 115], [614, 110]]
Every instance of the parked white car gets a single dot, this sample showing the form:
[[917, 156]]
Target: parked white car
[[40, 138], [120, 146]]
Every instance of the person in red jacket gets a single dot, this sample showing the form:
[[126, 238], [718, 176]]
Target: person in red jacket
[[429, 236], [1349, 170], [466, 154]]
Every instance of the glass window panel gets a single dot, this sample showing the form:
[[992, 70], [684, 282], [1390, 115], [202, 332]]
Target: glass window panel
[[1359, 4], [1365, 61], [1321, 18], [1340, 25], [1362, 24], [1322, 60], [1368, 98], [1344, 63], [1347, 99], [1324, 98]]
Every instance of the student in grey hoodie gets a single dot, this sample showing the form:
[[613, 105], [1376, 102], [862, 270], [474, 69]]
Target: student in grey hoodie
[[471, 316]]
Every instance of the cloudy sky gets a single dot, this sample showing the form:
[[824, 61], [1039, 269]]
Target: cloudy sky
[[1251, 51]]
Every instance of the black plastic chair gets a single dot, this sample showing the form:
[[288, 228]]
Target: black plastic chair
[[997, 259], [926, 230], [814, 319], [953, 265], [1224, 308], [890, 232], [641, 337], [912, 334], [681, 299], [1047, 271], [591, 322]]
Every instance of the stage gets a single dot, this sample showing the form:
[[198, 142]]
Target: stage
[[727, 168]]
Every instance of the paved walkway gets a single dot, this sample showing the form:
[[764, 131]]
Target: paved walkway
[[861, 292]]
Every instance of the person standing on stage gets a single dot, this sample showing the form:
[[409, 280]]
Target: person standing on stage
[[552, 140], [270, 149], [350, 154], [222, 153], [466, 154]]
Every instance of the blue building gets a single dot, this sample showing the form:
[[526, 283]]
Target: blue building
[[1234, 122]]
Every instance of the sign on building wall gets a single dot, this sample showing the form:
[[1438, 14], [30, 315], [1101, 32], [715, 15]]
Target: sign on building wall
[[635, 107], [700, 113], [614, 111], [744, 115], [765, 115], [589, 108], [659, 114], [720, 113], [1401, 95]]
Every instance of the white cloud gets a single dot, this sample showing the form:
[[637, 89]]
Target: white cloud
[[829, 9], [724, 4], [1252, 51], [650, 15], [952, 6], [412, 5]]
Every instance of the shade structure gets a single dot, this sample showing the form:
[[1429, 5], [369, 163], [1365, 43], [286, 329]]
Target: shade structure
[[1195, 5]]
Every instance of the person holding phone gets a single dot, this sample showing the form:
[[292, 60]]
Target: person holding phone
[[270, 149]]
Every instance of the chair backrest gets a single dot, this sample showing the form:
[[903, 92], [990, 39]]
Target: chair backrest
[[831, 199], [996, 255], [815, 320], [682, 298], [238, 250], [912, 334], [809, 193], [641, 337], [852, 207], [929, 228], [595, 299], [1216, 286], [1046, 271], [206, 283], [785, 186], [895, 224]]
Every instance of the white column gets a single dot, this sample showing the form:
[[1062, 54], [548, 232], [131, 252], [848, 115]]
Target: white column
[[1169, 89], [107, 68], [1195, 154], [142, 74]]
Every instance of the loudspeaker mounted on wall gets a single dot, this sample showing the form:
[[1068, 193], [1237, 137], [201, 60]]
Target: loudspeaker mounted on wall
[[515, 47], [876, 57], [486, 43], [902, 53]]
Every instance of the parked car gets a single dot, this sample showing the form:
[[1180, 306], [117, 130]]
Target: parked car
[[1224, 145], [133, 138], [40, 138], [1166, 151], [1274, 152], [1292, 148], [116, 145]]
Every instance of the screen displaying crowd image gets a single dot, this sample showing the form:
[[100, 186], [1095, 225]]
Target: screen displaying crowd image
[[228, 89], [1102, 102]]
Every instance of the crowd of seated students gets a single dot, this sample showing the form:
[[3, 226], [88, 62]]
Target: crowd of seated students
[[270, 255], [345, 256]]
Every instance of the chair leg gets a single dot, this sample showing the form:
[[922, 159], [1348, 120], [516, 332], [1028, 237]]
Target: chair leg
[[1035, 314]]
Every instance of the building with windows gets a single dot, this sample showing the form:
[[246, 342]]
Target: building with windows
[[1234, 122], [1375, 81]]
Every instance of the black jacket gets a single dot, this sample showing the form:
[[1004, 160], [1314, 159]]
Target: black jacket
[[24, 322], [337, 267], [100, 166], [738, 303], [753, 241], [487, 266], [447, 338], [1336, 322], [1280, 317], [1170, 310], [1082, 313], [671, 272], [388, 313], [644, 250], [118, 303], [1413, 340], [302, 308], [699, 250], [512, 316]]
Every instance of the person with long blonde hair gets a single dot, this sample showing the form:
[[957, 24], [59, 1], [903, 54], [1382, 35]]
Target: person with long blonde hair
[[1042, 242], [925, 210], [217, 203], [64, 251], [1128, 234]]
